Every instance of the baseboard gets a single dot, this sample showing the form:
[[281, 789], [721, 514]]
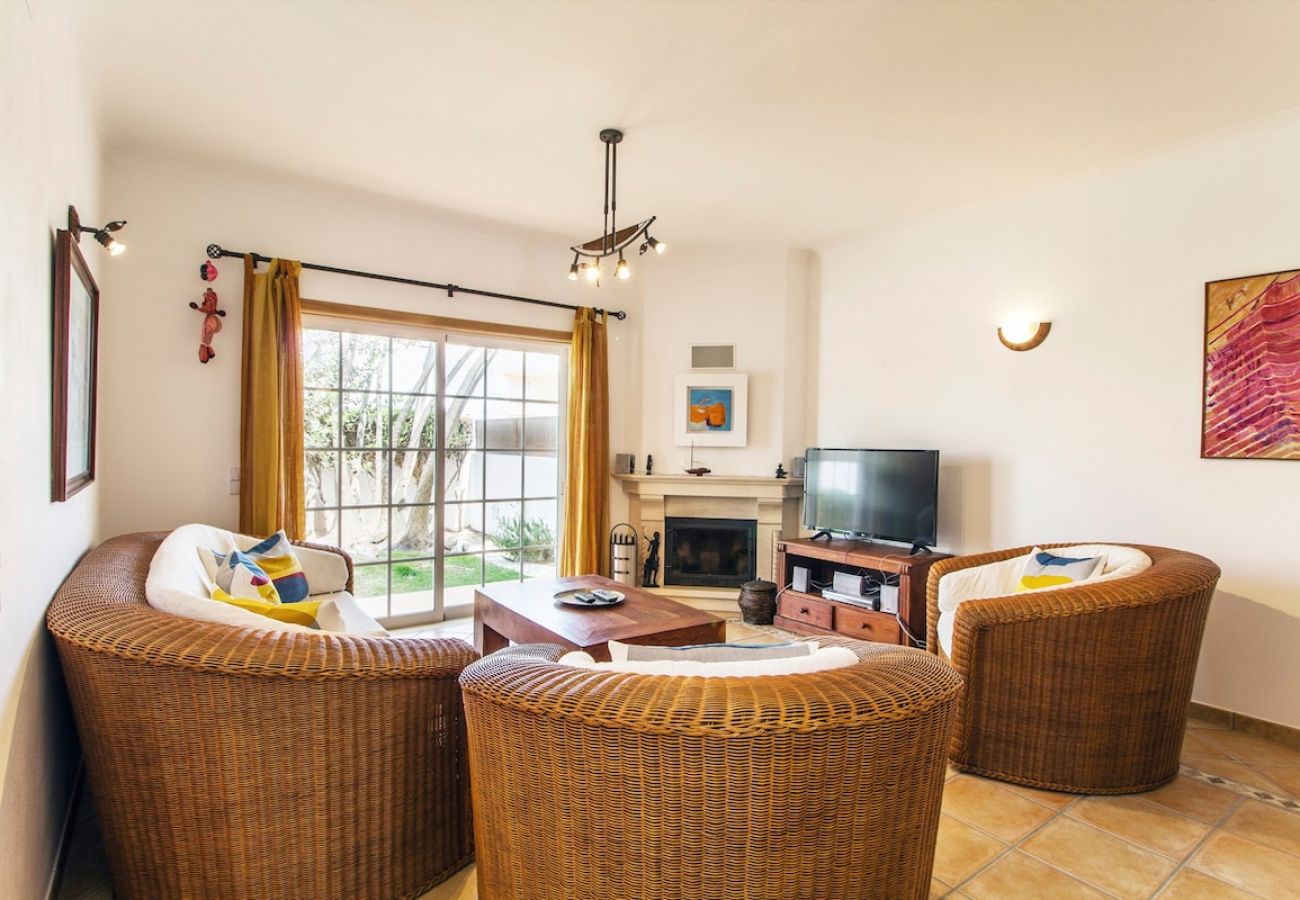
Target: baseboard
[[1226, 718], [65, 833]]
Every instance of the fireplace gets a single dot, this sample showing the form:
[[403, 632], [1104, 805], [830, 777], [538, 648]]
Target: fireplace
[[709, 552]]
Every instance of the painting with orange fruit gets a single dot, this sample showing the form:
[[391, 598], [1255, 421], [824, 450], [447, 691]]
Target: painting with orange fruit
[[709, 410]]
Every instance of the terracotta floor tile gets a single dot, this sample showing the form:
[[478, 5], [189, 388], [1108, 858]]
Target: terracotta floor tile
[[1193, 798], [938, 889], [961, 850], [1201, 746], [1248, 865], [1152, 826], [1018, 875], [1285, 777], [1101, 859], [1190, 884], [461, 886], [1267, 825], [1254, 750], [1054, 799], [987, 806]]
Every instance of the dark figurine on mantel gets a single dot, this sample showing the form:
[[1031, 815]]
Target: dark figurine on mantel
[[650, 571], [780, 471], [649, 464]]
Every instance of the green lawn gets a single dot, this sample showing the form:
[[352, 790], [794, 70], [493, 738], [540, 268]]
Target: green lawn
[[372, 581]]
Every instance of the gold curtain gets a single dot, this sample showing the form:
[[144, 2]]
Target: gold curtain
[[270, 419], [583, 550]]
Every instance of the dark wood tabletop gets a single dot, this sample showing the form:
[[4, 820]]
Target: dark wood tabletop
[[527, 612]]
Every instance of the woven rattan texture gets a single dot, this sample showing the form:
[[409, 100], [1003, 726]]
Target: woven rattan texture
[[590, 786], [1083, 689], [229, 763]]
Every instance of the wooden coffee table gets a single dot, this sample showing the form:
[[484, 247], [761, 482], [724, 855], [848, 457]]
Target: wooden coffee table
[[527, 613]]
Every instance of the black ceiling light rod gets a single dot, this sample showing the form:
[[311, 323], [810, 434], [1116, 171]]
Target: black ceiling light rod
[[216, 251]]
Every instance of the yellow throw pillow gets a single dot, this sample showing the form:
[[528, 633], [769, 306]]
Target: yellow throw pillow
[[303, 612]]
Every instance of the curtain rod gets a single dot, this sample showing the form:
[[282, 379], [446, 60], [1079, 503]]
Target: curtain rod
[[216, 251]]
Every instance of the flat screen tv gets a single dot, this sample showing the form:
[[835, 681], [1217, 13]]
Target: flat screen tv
[[889, 495]]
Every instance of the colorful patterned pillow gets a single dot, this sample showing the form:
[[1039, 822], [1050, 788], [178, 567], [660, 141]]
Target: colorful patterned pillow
[[1045, 570], [276, 557], [238, 577]]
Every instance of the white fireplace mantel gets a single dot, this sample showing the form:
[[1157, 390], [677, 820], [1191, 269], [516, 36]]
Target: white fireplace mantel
[[771, 502]]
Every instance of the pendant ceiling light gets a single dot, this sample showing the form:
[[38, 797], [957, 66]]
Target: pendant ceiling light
[[612, 241]]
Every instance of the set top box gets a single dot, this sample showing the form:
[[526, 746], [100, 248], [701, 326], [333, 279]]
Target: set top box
[[849, 583]]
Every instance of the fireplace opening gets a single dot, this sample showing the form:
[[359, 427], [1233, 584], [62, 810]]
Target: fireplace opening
[[709, 552]]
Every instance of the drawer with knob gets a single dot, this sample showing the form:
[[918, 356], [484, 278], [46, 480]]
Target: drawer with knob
[[866, 625], [804, 609]]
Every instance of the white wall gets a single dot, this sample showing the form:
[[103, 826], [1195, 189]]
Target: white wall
[[49, 158], [1096, 434], [171, 430], [753, 296]]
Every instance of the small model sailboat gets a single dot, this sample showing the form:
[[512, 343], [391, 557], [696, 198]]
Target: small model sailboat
[[694, 469]]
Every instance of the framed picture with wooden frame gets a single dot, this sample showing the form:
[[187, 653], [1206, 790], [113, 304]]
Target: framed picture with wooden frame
[[76, 361]]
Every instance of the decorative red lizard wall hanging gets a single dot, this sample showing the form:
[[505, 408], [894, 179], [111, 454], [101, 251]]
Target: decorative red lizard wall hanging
[[211, 323]]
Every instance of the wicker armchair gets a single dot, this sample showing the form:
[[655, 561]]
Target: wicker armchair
[[232, 763], [593, 785], [1083, 689]]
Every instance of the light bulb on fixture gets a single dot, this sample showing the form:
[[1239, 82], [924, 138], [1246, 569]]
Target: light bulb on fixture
[[659, 246], [573, 268], [622, 270], [593, 271], [111, 244]]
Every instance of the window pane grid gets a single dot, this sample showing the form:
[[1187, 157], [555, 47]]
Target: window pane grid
[[391, 433]]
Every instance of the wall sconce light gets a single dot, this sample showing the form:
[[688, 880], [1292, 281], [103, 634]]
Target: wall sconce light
[[1023, 335], [103, 235]]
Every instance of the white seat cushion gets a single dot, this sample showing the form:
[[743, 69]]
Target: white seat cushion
[[340, 612], [180, 583], [1000, 579], [825, 659]]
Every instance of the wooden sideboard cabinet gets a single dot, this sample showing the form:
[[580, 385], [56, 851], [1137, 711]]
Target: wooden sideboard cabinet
[[808, 612]]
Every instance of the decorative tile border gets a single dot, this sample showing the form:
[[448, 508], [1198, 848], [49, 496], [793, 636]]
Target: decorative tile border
[[1281, 801]]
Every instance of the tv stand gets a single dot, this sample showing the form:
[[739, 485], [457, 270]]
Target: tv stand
[[811, 613], [823, 534]]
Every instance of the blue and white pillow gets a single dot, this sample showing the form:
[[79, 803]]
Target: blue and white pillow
[[1046, 570]]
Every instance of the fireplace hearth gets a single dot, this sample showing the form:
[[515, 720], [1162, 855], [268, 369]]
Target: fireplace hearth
[[709, 552]]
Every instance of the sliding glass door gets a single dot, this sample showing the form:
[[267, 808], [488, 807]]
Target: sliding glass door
[[433, 459]]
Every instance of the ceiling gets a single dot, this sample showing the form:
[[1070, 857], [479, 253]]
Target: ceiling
[[788, 122]]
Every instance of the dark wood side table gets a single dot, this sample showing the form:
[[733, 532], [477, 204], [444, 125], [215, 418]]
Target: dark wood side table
[[527, 613]]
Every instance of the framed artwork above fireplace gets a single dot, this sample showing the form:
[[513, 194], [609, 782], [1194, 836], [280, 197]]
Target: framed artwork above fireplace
[[711, 410]]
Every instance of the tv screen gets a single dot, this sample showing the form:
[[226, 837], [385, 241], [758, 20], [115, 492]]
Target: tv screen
[[892, 495]]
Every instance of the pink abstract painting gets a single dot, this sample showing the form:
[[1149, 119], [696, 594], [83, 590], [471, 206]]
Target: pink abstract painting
[[1252, 368]]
